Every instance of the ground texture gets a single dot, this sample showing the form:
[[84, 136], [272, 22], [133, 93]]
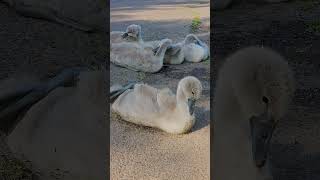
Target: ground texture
[[145, 153], [292, 29]]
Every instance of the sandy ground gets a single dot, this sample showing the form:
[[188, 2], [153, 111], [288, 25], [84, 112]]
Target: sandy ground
[[42, 48], [144, 153], [293, 30]]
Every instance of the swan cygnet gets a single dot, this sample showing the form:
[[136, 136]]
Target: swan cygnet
[[191, 49], [252, 82], [138, 57], [61, 130], [148, 106], [132, 34], [174, 53], [194, 49]]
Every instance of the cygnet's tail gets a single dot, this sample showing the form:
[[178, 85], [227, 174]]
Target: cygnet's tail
[[117, 90]]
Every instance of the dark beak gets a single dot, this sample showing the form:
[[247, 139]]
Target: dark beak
[[191, 105], [124, 35], [155, 50], [262, 128]]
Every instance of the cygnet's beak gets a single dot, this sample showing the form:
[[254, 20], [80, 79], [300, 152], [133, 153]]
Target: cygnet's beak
[[262, 128], [197, 43], [124, 35], [155, 50], [191, 105], [132, 34]]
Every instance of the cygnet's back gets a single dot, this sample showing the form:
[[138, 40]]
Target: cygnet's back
[[66, 130]]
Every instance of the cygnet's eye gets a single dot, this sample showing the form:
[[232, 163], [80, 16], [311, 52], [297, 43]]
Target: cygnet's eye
[[265, 100], [192, 92]]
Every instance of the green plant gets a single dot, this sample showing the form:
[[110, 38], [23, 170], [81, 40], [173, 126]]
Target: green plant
[[195, 24], [207, 61], [141, 76], [314, 27], [14, 169]]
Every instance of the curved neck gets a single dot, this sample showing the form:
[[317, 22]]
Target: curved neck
[[232, 147], [182, 101], [183, 121], [139, 36], [202, 44], [161, 51], [180, 95]]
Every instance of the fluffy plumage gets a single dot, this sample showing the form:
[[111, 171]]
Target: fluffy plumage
[[245, 81], [148, 106]]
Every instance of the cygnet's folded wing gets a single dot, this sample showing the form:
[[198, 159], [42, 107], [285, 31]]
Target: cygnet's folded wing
[[166, 100], [62, 128], [116, 36], [117, 90], [139, 105], [131, 55]]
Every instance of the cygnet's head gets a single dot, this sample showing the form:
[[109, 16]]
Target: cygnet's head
[[191, 38], [166, 42], [276, 88], [191, 88], [279, 85], [174, 49], [133, 31]]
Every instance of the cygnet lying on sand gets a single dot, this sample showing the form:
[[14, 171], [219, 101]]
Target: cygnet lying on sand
[[138, 57], [191, 49], [148, 106], [194, 49], [66, 130]]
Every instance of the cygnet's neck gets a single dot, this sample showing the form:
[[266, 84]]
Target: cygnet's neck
[[140, 38], [182, 101], [182, 121], [233, 155], [162, 50]]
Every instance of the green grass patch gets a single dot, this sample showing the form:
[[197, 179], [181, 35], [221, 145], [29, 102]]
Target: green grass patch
[[14, 169], [141, 76], [314, 26], [207, 61], [195, 24]]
